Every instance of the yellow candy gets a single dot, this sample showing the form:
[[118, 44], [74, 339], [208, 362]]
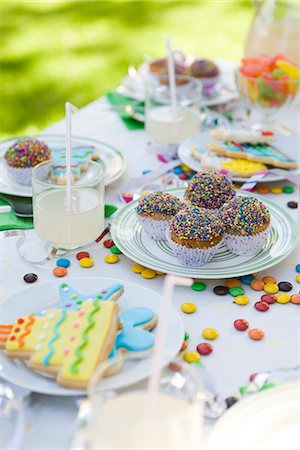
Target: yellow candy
[[298, 278], [111, 258], [276, 190], [137, 268], [271, 288], [189, 308], [241, 300], [288, 68], [283, 298], [243, 167], [186, 168], [210, 333], [86, 262], [148, 273], [160, 273], [191, 357]]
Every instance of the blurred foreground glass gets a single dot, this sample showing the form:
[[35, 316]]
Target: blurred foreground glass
[[162, 125], [84, 222], [267, 97], [275, 28], [120, 420]]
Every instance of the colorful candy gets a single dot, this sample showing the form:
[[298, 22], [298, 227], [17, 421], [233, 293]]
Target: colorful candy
[[283, 298], [269, 279], [30, 277], [241, 300], [257, 285], [204, 348], [137, 268], [241, 324], [191, 357], [262, 306], [210, 333], [285, 286], [148, 274], [271, 288], [256, 334], [233, 282], [297, 268], [292, 205], [199, 286], [184, 346], [221, 290], [59, 271], [188, 308], [297, 278], [114, 249], [236, 291], [81, 255], [86, 263], [108, 243], [268, 298], [295, 298], [111, 258], [63, 262]]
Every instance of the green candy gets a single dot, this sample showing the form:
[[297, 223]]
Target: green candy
[[186, 336], [114, 249], [235, 291], [109, 210], [288, 189], [199, 286]]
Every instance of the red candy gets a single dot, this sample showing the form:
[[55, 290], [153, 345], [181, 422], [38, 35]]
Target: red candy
[[268, 298], [241, 324], [81, 255], [183, 176], [261, 306], [204, 348], [252, 377], [108, 243], [20, 321]]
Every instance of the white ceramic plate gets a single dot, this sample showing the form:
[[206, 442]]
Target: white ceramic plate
[[129, 237], [45, 295], [201, 140], [111, 158], [265, 421]]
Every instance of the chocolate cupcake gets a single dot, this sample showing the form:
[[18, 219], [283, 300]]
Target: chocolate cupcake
[[155, 211], [207, 72], [209, 190], [22, 156], [247, 221], [195, 235]]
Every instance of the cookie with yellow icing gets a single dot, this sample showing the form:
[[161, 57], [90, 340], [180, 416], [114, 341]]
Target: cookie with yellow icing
[[242, 167]]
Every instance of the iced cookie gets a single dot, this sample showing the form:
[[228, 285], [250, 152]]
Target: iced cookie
[[67, 344], [242, 136], [262, 153], [80, 158]]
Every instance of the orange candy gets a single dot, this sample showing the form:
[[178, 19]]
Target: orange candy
[[269, 279], [184, 346], [256, 334], [257, 285], [263, 190], [59, 271], [295, 298], [233, 282]]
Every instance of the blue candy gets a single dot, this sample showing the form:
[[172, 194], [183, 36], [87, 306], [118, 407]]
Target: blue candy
[[297, 268], [178, 170], [63, 262], [247, 279]]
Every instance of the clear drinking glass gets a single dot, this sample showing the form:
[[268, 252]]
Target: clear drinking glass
[[121, 420], [161, 123], [53, 222]]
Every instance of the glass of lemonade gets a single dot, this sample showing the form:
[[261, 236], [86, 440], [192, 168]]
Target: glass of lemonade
[[53, 221], [161, 123], [120, 419]]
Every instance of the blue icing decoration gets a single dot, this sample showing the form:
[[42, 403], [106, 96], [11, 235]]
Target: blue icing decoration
[[49, 355], [77, 152], [258, 150], [137, 316], [131, 337], [73, 298]]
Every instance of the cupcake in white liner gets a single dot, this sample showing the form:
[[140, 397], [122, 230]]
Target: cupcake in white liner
[[247, 221], [195, 235], [22, 156], [155, 211], [209, 190]]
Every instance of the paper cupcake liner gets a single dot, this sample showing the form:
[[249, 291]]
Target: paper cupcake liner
[[246, 245], [21, 175], [192, 257], [156, 229]]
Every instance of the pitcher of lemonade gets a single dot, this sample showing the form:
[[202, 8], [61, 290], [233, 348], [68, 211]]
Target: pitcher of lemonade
[[275, 28]]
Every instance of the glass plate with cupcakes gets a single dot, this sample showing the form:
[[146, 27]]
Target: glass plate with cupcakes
[[19, 155], [208, 230]]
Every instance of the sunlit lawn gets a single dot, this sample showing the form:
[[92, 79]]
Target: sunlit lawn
[[51, 52]]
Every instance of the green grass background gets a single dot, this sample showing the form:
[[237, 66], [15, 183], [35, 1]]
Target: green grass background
[[54, 51]]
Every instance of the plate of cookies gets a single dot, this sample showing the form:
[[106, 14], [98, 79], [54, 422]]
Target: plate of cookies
[[19, 155], [208, 230], [54, 335], [240, 153]]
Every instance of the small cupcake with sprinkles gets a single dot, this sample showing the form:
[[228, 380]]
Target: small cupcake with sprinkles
[[209, 190], [247, 222], [22, 156], [155, 211], [195, 235]]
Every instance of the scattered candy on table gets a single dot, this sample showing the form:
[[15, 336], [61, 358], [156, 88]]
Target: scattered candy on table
[[210, 333], [221, 290], [199, 286], [257, 285], [86, 263], [81, 255], [30, 277], [114, 249], [246, 279], [184, 346], [285, 286], [111, 258], [191, 357], [236, 291], [241, 324], [188, 308], [292, 205], [262, 306], [137, 268], [295, 298], [283, 298], [232, 282], [148, 274], [60, 271], [241, 300], [175, 366], [108, 243], [297, 278], [186, 336], [63, 262], [297, 268], [256, 334], [204, 348], [271, 288], [268, 298], [276, 190], [269, 279]]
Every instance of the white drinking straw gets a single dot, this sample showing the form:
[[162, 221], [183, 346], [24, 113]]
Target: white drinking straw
[[160, 340], [69, 108], [171, 72]]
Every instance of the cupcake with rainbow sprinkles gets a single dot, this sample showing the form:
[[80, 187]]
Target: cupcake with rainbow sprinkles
[[247, 222], [209, 190], [155, 211], [195, 235], [22, 156]]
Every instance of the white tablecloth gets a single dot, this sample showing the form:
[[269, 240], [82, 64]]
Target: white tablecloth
[[49, 419]]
